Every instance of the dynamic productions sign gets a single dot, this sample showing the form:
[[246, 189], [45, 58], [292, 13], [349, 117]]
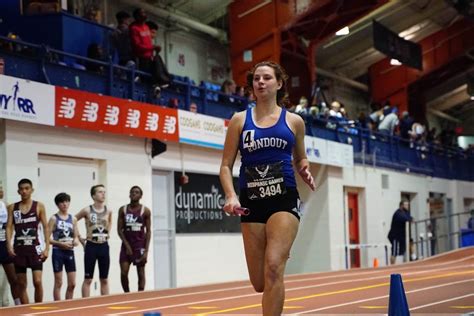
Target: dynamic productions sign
[[198, 205]]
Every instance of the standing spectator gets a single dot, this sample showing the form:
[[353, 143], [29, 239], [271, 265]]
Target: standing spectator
[[397, 231], [63, 228], [159, 72], [120, 38], [98, 220], [389, 122], [142, 44], [133, 227], [406, 124], [24, 218]]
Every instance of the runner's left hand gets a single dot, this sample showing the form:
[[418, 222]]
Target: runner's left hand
[[307, 177]]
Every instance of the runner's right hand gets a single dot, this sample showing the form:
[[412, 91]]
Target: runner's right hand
[[230, 204]]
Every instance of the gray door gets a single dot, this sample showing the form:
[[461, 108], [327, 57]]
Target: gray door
[[164, 230]]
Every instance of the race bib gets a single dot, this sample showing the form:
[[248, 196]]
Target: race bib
[[3, 235], [26, 237], [100, 235], [265, 181]]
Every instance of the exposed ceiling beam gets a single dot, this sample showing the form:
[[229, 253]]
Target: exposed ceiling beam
[[221, 35], [348, 81], [444, 115], [216, 12], [450, 99]]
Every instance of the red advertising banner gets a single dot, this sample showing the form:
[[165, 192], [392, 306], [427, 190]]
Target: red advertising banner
[[96, 112]]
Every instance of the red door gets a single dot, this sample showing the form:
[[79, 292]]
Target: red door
[[354, 228]]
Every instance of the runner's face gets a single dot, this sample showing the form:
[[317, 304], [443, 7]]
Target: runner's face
[[64, 206], [265, 84], [25, 190], [99, 195], [406, 205], [135, 195]]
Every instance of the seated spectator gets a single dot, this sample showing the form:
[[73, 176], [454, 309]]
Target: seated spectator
[[334, 112], [92, 14], [389, 122], [228, 87], [240, 91], [470, 222], [120, 38], [193, 107], [94, 51], [302, 107]]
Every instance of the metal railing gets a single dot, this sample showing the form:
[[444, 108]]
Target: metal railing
[[438, 234]]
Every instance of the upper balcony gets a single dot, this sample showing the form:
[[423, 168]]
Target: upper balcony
[[43, 64]]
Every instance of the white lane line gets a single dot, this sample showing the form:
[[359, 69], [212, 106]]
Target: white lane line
[[249, 287], [380, 297], [256, 294], [236, 288], [441, 302], [396, 269]]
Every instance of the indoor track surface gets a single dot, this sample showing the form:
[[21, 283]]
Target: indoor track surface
[[440, 285]]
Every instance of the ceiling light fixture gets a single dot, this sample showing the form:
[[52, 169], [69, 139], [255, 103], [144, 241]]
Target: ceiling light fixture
[[395, 62], [343, 31]]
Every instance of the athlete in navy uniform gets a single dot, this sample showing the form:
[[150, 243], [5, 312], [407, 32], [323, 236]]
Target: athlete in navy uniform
[[98, 220], [63, 228], [267, 137]]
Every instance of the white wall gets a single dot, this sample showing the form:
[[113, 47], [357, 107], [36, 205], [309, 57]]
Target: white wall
[[124, 164], [320, 241], [203, 258]]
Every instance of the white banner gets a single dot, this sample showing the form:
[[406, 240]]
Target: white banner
[[26, 101], [327, 152], [201, 130]]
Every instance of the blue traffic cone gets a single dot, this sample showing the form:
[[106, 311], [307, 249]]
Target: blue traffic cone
[[397, 305]]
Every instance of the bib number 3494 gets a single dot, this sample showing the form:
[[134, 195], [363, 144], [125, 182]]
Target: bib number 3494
[[271, 190]]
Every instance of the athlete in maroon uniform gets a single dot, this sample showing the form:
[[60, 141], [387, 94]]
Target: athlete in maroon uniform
[[24, 218], [133, 227]]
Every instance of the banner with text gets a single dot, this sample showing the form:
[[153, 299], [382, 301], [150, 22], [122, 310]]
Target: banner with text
[[201, 130], [101, 113], [327, 152], [26, 101]]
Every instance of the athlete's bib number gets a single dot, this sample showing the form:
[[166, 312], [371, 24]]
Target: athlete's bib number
[[265, 181]]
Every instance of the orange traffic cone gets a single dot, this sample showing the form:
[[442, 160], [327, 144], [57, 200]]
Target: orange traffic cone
[[376, 263]]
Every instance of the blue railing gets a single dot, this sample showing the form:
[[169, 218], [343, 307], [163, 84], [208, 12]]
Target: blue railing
[[43, 64]]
